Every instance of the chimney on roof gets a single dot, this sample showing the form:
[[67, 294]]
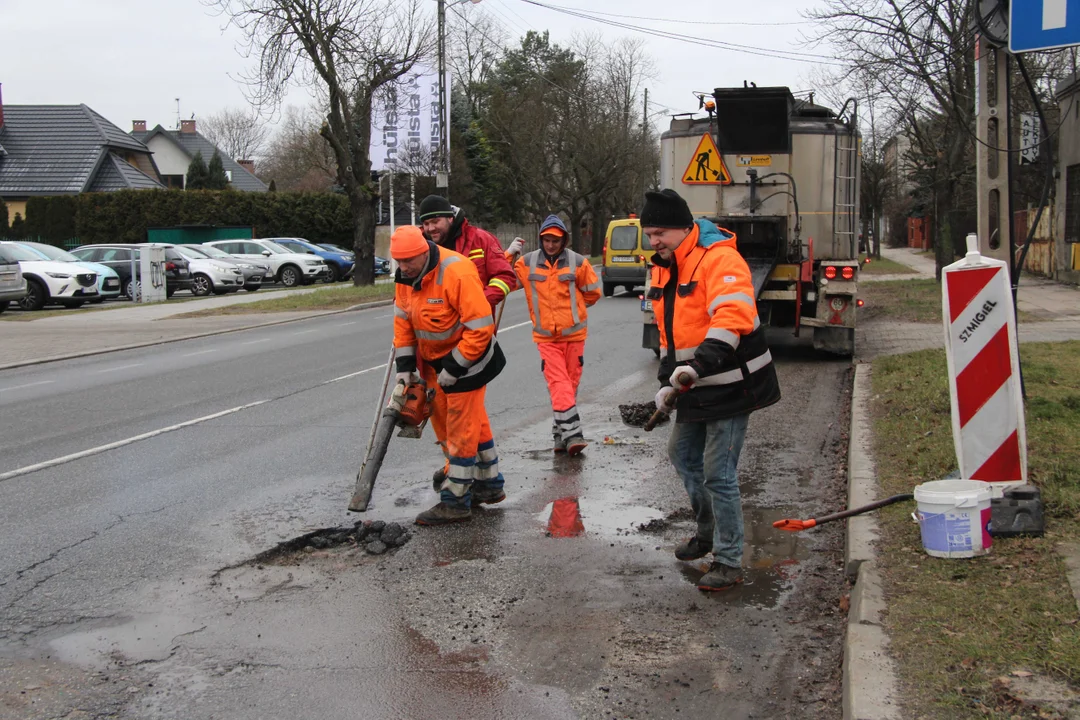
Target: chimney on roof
[[138, 126], [187, 127], [248, 165]]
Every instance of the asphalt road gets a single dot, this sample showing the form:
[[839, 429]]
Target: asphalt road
[[137, 487]]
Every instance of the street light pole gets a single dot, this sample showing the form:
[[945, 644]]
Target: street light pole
[[442, 172]]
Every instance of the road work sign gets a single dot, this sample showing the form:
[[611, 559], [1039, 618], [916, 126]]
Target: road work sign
[[984, 370], [706, 165]]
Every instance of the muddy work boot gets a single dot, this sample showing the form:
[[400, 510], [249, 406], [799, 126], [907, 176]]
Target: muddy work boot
[[693, 549], [720, 577], [487, 495], [559, 445], [575, 444], [443, 514]]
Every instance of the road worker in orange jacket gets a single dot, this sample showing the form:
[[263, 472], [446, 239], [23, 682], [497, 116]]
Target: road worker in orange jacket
[[443, 319], [713, 350], [559, 286], [446, 226]]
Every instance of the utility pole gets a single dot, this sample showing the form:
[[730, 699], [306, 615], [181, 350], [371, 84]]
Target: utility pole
[[644, 144], [442, 173]]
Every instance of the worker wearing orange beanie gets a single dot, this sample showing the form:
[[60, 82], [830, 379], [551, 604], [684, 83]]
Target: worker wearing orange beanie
[[442, 316]]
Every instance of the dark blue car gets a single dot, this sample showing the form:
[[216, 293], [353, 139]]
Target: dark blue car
[[339, 262], [382, 265]]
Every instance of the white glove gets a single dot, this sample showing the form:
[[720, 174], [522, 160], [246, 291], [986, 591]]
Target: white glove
[[684, 376], [407, 377], [665, 399], [446, 379], [516, 247]]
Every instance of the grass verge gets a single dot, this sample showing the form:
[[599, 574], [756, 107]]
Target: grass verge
[[960, 628], [916, 301], [883, 266], [335, 298]]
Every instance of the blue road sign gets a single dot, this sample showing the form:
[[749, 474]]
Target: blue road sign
[[1043, 24]]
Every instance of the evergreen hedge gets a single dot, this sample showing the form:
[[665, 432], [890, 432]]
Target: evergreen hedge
[[124, 216]]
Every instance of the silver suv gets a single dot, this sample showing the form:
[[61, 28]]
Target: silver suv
[[12, 283]]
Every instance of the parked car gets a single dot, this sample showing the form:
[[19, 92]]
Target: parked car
[[382, 265], [256, 272], [339, 262], [291, 269], [118, 257], [12, 283], [211, 275], [49, 281], [108, 283]]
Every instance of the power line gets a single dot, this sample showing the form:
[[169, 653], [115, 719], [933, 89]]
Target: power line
[[700, 41], [689, 22]]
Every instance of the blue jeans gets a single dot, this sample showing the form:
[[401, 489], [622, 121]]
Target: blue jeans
[[706, 455]]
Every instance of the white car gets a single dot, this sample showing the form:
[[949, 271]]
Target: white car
[[290, 269], [12, 284], [211, 275], [256, 272], [49, 281]]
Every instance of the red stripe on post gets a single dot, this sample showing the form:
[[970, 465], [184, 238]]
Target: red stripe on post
[[983, 376], [1003, 465], [964, 285]]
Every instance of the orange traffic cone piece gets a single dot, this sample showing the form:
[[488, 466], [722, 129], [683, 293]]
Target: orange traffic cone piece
[[565, 520]]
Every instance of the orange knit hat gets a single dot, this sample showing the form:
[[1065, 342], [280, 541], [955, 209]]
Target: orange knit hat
[[407, 242], [557, 232]]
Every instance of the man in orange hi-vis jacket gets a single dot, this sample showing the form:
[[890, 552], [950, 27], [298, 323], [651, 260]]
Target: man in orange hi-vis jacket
[[559, 286], [713, 346], [442, 317]]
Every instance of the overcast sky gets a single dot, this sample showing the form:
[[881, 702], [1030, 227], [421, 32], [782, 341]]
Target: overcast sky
[[130, 59]]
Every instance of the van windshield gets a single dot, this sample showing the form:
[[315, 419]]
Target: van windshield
[[624, 237]]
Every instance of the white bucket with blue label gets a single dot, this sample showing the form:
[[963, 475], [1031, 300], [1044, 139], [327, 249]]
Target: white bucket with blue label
[[954, 517]]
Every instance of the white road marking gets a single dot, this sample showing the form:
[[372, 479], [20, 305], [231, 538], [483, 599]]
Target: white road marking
[[122, 367], [305, 332], [345, 324], [120, 443], [200, 352], [382, 317], [359, 372], [20, 387], [252, 342], [521, 324]]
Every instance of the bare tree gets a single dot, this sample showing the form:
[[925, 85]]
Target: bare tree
[[349, 51], [240, 134], [297, 156], [476, 42]]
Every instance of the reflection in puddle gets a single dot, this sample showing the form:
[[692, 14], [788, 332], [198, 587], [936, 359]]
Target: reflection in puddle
[[762, 587], [606, 518]]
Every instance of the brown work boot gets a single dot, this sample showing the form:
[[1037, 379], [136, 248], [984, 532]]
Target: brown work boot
[[720, 577], [438, 479], [486, 495], [443, 514], [575, 445]]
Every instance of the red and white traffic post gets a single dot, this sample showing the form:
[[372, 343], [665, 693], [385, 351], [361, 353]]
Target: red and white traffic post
[[984, 370]]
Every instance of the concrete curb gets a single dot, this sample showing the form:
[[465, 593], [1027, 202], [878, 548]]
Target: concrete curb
[[193, 336], [870, 684]]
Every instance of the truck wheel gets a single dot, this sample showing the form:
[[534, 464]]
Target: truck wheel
[[609, 289]]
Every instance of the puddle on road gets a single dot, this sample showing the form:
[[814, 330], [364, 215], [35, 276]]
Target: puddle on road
[[148, 638], [606, 519]]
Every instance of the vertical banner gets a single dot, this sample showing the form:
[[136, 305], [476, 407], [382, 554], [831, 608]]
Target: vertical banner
[[405, 123], [984, 370], [1029, 138]]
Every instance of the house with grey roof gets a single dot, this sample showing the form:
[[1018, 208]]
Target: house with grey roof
[[66, 150], [175, 149]]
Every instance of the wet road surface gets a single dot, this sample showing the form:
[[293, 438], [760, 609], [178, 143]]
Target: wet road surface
[[130, 587]]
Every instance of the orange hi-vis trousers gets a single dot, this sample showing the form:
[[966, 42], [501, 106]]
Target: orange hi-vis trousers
[[562, 363], [461, 426]]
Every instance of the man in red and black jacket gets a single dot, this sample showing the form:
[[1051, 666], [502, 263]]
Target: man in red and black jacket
[[446, 226]]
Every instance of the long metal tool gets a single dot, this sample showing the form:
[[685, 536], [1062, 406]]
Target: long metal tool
[[792, 525], [502, 305], [683, 386], [379, 406]]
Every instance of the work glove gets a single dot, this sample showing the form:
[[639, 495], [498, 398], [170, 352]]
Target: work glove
[[407, 377], [516, 247], [684, 376], [446, 379], [665, 399]]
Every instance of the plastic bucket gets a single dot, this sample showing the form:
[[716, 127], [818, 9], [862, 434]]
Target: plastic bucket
[[954, 517]]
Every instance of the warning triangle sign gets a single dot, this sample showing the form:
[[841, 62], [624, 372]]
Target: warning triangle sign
[[706, 165]]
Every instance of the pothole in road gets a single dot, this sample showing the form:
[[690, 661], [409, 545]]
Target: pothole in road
[[374, 537]]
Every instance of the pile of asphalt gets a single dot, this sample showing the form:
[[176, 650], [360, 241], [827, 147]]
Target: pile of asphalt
[[637, 414], [374, 536]]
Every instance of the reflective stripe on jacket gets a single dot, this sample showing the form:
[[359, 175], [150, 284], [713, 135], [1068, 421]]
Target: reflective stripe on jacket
[[444, 317], [706, 313], [558, 294], [486, 252]]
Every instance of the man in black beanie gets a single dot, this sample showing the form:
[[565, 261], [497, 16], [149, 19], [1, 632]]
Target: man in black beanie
[[445, 225], [715, 369]]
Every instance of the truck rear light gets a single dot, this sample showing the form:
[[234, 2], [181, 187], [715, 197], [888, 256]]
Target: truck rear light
[[859, 303], [848, 272], [830, 272]]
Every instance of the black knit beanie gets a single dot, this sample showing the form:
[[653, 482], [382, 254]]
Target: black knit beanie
[[435, 206], [666, 209]]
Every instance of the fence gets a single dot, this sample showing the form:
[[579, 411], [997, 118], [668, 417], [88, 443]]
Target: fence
[[1040, 257]]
